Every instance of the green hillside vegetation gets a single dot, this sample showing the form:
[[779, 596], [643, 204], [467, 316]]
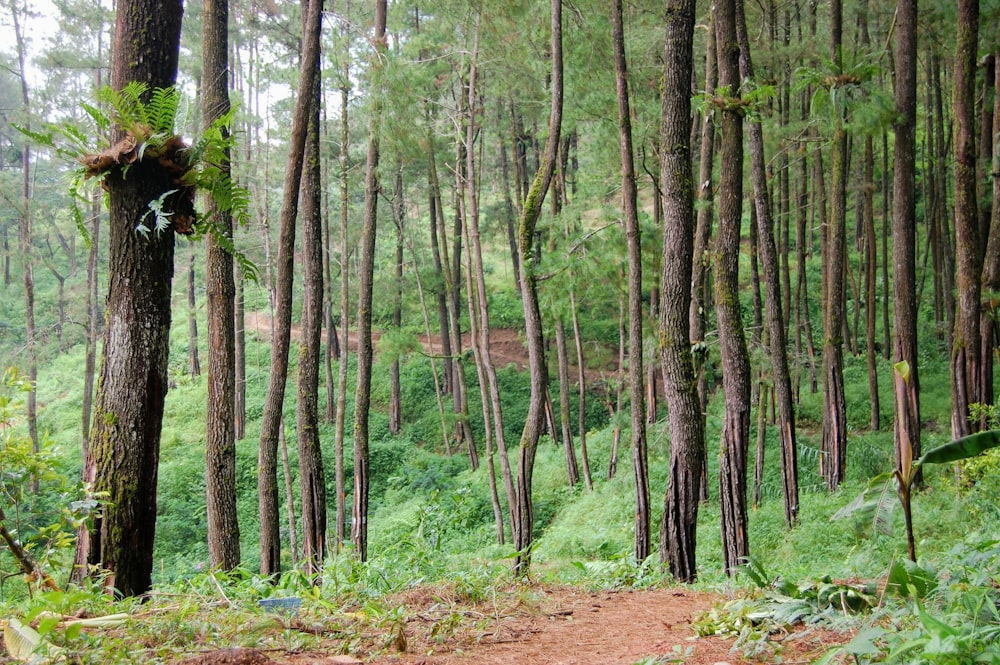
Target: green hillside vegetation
[[460, 90], [431, 517]]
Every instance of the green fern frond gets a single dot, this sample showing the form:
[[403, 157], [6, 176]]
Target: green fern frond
[[128, 111], [161, 110]]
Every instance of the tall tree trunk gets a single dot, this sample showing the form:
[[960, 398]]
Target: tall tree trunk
[[509, 210], [678, 530], [220, 439], [94, 317], [362, 401], [94, 312], [835, 270], [340, 503], [966, 362], [776, 338], [194, 363], [271, 423], [239, 358], [395, 389], [125, 444], [535, 422], [565, 428], [440, 288], [312, 476], [991, 261], [27, 267], [735, 358], [701, 289], [581, 383], [630, 212], [991, 264], [904, 324]]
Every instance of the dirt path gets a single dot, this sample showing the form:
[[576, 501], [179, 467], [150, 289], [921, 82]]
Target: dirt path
[[524, 626]]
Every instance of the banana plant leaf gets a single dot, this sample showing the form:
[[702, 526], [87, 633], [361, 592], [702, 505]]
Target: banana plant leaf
[[964, 448]]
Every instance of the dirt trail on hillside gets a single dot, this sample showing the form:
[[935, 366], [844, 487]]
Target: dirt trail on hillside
[[532, 626], [506, 346]]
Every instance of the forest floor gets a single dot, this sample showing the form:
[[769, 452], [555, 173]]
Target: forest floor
[[534, 625]]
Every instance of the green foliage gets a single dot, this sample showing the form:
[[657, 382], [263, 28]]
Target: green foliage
[[948, 615], [148, 118]]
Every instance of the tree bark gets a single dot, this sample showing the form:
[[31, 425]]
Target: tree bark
[[220, 438], [678, 530], [362, 401], [194, 363], [395, 389], [312, 476], [834, 445], [904, 324], [630, 213], [340, 503], [271, 423], [776, 337], [538, 371], [25, 233], [125, 444], [991, 264], [966, 367], [735, 359]]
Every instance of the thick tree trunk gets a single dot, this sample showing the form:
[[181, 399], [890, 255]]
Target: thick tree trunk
[[125, 443], [678, 529]]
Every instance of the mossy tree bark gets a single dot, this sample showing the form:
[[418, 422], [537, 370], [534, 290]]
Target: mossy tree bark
[[537, 368], [312, 476], [125, 440]]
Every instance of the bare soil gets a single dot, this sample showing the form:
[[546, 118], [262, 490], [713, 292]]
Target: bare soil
[[536, 625]]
